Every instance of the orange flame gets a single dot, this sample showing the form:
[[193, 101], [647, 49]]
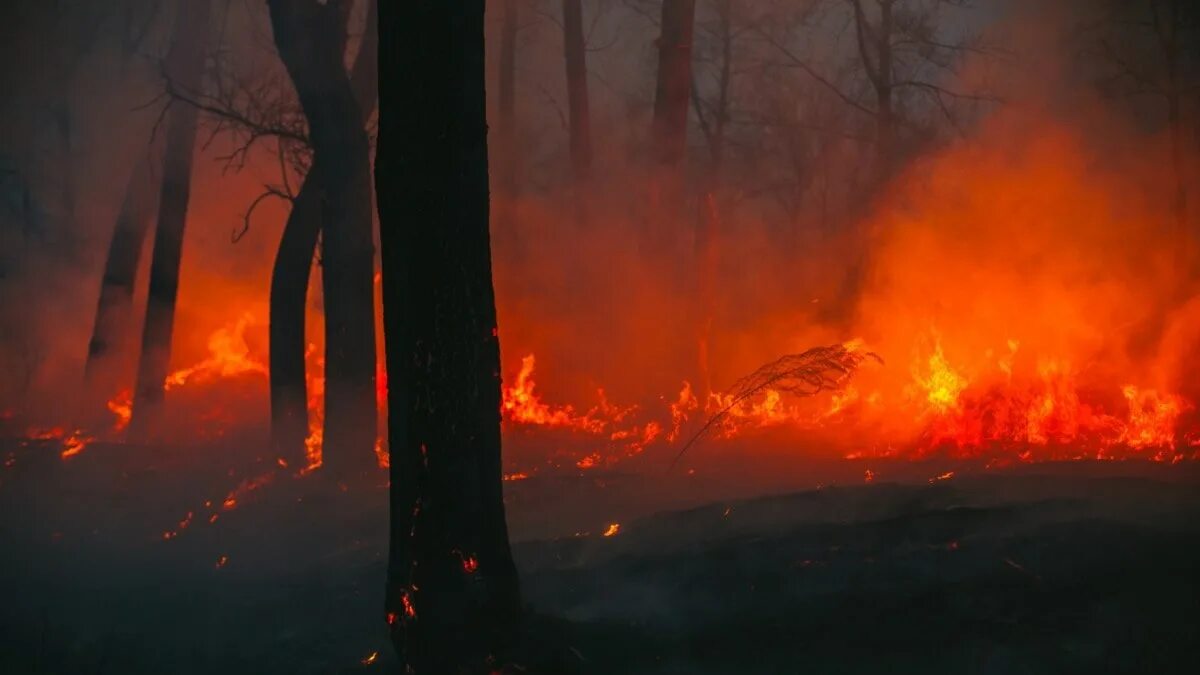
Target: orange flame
[[229, 356]]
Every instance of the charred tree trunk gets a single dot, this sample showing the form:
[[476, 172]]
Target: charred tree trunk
[[577, 89], [674, 80], [452, 599], [311, 38], [110, 346], [185, 68], [293, 265]]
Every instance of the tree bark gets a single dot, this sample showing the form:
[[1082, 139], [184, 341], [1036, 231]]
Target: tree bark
[[674, 80], [311, 39], [110, 347], [293, 265], [453, 599], [577, 89], [185, 68]]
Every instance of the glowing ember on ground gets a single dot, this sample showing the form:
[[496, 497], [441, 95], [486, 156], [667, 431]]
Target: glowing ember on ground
[[370, 658], [470, 564], [410, 612], [75, 443], [245, 487], [221, 562]]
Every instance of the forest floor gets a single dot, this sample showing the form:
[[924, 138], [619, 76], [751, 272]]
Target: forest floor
[[1083, 567]]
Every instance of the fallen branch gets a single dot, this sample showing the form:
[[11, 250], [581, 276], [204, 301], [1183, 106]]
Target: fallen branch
[[802, 375]]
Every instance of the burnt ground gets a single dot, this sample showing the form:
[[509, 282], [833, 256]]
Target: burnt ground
[[1054, 569]]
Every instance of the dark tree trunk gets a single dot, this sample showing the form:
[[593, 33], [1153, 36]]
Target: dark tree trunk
[[453, 600], [293, 265], [110, 348], [577, 89], [674, 80], [185, 68], [311, 38]]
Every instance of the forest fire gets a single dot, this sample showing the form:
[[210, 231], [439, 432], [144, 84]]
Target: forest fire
[[706, 320]]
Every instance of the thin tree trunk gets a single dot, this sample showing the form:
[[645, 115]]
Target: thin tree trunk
[[185, 67], [577, 89], [709, 208], [453, 598], [885, 133], [293, 265], [311, 38], [110, 347], [674, 80]]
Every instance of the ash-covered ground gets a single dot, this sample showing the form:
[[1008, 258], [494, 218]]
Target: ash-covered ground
[[1078, 567]]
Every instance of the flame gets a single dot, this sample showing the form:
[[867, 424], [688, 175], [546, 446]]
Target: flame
[[612, 530], [1152, 419], [72, 442], [520, 404], [315, 374], [229, 356], [941, 384], [121, 406]]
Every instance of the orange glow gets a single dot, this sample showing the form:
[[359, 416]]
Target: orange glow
[[612, 530]]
